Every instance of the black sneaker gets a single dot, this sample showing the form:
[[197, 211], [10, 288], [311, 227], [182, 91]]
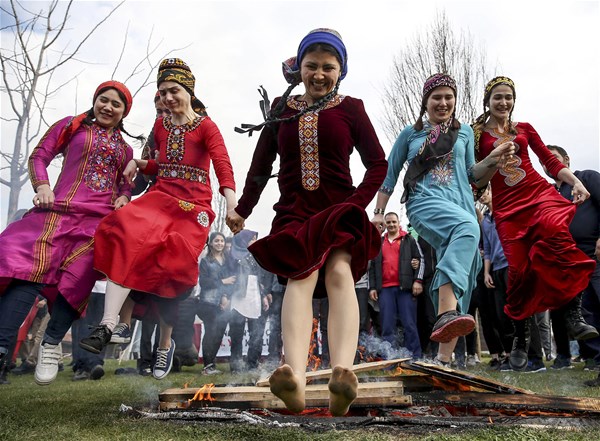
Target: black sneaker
[[97, 340], [534, 366], [562, 363], [81, 375], [452, 324], [24, 368], [97, 372]]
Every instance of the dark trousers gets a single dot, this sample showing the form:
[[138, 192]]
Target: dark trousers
[[501, 321], [183, 326], [362, 295], [590, 349], [256, 329], [81, 328], [396, 304], [425, 321], [147, 352], [215, 322], [275, 341], [15, 304], [18, 299]]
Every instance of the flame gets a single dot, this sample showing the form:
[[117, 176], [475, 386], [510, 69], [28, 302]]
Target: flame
[[449, 385], [203, 393], [314, 361]]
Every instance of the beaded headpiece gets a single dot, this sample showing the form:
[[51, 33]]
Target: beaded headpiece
[[495, 82], [438, 80], [175, 69]]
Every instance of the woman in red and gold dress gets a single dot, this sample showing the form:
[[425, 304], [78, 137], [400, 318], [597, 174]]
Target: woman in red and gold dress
[[165, 230], [321, 238], [545, 268]]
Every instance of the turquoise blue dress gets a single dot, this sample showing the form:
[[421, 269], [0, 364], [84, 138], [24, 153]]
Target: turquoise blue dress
[[442, 210]]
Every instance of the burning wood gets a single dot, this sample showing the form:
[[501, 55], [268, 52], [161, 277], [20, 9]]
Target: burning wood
[[203, 394]]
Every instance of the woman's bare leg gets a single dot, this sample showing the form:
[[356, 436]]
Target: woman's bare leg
[[288, 382], [343, 326]]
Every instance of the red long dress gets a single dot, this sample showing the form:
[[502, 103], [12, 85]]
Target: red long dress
[[319, 209], [545, 268], [154, 242]]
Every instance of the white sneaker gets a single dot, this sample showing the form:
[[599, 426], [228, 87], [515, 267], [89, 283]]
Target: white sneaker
[[46, 369], [121, 334]]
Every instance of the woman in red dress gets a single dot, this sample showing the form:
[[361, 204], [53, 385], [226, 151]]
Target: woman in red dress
[[321, 238], [165, 230], [545, 268]]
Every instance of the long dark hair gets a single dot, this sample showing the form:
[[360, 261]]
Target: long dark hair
[[212, 237], [89, 119]]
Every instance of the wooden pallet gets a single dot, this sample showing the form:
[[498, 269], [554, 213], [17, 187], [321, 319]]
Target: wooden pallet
[[380, 394]]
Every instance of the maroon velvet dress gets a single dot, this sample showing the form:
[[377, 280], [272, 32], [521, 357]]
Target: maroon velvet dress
[[545, 268], [319, 209]]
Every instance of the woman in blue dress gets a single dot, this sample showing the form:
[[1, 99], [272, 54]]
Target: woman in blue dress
[[439, 202]]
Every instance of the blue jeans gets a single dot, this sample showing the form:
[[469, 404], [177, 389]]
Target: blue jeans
[[85, 360], [15, 304], [396, 304]]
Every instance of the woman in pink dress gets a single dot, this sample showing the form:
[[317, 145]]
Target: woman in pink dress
[[50, 250]]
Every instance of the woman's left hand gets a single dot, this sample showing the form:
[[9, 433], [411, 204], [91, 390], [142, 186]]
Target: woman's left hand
[[120, 202], [234, 221], [580, 194], [265, 304], [130, 171]]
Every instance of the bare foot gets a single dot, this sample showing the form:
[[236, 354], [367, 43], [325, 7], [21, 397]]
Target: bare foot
[[343, 387], [286, 386]]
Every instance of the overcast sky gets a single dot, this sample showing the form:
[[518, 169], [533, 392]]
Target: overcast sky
[[550, 49]]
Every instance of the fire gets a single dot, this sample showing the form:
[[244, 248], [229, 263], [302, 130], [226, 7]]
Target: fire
[[449, 385], [313, 361], [203, 393]]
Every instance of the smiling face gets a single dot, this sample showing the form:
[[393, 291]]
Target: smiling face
[[320, 72], [218, 243], [109, 109], [392, 224], [501, 102], [440, 104], [175, 98]]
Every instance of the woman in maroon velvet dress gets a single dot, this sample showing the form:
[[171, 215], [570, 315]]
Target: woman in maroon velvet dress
[[321, 238], [545, 268]]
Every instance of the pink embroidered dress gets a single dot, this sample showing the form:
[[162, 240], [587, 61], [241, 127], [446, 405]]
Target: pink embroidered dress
[[55, 246], [153, 243]]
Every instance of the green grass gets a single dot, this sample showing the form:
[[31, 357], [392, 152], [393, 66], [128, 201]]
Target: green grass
[[68, 410]]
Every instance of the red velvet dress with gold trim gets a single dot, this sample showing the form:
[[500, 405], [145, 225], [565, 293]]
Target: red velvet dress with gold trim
[[153, 243], [545, 268], [319, 209], [55, 246]]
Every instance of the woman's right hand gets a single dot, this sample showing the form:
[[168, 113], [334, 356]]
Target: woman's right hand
[[234, 221], [44, 197], [130, 171]]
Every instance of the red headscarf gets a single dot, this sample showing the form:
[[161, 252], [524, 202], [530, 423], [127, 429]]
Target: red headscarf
[[76, 122]]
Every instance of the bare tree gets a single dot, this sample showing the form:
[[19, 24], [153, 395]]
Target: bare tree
[[41, 47], [437, 49]]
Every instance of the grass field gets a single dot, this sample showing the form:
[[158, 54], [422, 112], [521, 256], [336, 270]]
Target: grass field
[[89, 410]]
